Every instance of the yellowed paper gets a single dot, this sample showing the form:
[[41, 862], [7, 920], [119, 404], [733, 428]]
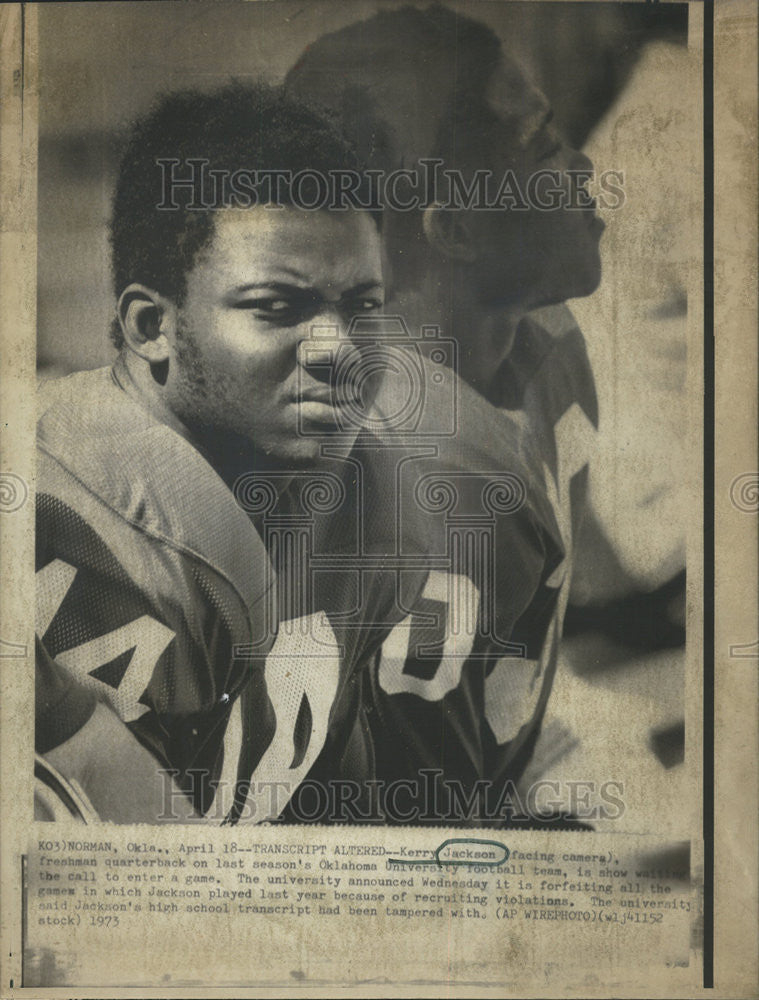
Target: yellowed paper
[[638, 901]]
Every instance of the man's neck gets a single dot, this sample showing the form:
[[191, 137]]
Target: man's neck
[[135, 379], [231, 456]]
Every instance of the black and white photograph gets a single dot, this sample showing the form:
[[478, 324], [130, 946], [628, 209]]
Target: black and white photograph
[[374, 418], [338, 516]]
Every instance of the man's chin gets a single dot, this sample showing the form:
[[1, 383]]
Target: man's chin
[[586, 281], [308, 451], [586, 289]]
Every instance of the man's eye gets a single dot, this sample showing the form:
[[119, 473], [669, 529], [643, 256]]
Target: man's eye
[[265, 305], [363, 306], [283, 312], [550, 150]]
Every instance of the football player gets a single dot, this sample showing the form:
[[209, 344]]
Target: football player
[[461, 685], [182, 491]]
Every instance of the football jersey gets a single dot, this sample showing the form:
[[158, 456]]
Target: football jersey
[[332, 537], [548, 382], [149, 576], [62, 706], [460, 686], [227, 628]]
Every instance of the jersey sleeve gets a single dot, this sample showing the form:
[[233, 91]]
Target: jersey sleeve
[[149, 582], [149, 631]]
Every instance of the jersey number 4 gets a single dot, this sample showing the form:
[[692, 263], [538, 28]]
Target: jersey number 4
[[117, 665]]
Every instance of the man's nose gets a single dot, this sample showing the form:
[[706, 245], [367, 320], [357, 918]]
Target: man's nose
[[323, 339], [329, 322]]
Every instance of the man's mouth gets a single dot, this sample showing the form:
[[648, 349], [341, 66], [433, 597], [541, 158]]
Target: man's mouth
[[327, 406], [592, 217]]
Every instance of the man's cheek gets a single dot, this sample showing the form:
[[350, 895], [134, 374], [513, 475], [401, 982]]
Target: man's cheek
[[268, 364]]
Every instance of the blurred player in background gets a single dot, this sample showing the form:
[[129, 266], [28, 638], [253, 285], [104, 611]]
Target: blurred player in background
[[175, 630], [449, 693]]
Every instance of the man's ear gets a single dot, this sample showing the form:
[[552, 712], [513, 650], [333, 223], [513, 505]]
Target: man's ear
[[449, 232], [148, 321]]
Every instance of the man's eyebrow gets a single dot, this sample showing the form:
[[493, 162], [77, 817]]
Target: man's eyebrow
[[363, 286], [300, 277], [285, 288]]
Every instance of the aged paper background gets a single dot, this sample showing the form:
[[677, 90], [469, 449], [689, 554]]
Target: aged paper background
[[287, 955]]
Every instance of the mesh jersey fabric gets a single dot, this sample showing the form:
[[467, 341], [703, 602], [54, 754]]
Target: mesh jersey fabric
[[460, 687]]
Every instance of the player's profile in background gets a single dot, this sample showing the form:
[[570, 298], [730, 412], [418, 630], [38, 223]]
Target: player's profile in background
[[476, 248]]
